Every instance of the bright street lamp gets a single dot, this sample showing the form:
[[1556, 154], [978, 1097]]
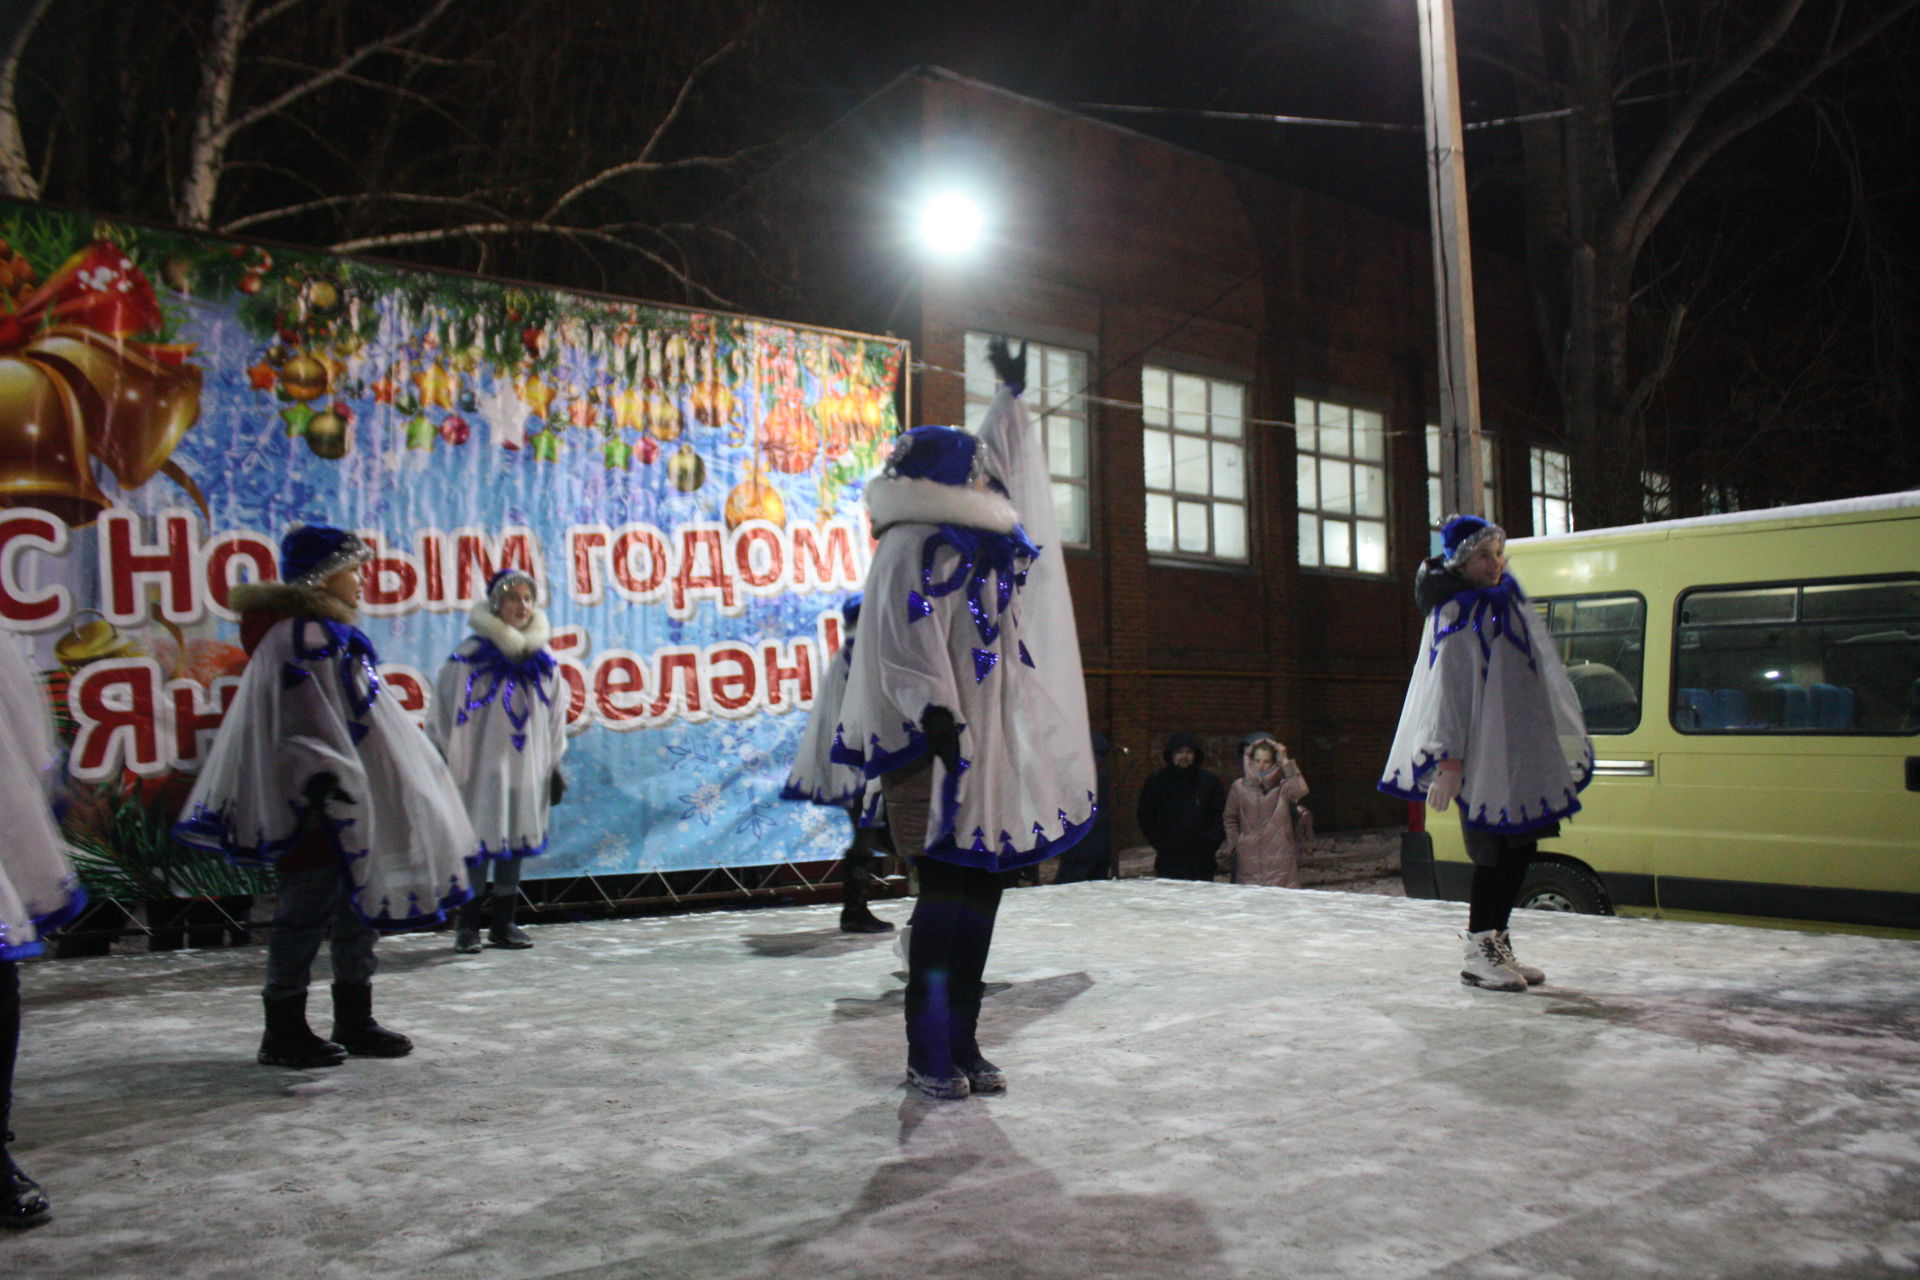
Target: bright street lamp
[[951, 223]]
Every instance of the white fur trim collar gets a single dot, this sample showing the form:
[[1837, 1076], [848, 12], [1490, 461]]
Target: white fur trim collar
[[292, 600], [897, 500], [514, 644]]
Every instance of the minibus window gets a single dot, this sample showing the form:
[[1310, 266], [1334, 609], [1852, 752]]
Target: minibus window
[[1861, 600], [1836, 658], [1715, 608], [1602, 640]]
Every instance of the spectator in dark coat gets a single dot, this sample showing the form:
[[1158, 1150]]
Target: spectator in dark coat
[[1181, 808]]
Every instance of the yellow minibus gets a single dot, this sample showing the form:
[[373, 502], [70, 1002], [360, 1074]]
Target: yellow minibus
[[1751, 682]]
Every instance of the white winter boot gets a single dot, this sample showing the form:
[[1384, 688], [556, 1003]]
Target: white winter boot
[[1486, 965], [1533, 976]]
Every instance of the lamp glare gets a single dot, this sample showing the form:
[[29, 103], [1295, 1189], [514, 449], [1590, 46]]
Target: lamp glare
[[950, 224]]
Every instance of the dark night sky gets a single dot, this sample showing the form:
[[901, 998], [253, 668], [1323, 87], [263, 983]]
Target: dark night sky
[[1352, 60], [1767, 238]]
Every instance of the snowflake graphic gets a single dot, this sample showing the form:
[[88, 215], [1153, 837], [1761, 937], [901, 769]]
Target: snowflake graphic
[[703, 802], [757, 821]]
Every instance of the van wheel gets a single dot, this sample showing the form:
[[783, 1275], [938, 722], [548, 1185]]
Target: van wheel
[[1556, 886]]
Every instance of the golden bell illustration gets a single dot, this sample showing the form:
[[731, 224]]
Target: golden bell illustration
[[139, 407], [43, 445]]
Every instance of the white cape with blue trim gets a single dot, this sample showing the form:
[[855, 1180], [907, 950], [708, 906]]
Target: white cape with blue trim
[[815, 778], [1026, 792], [38, 889], [306, 705], [499, 717], [1489, 688]]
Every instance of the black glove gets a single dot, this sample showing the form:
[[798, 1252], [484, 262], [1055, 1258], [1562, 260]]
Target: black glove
[[1009, 368], [556, 787], [323, 789], [943, 736]]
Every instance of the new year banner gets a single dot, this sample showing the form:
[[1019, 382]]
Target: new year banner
[[684, 486]]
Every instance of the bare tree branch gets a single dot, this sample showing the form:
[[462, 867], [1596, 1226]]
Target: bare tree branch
[[1662, 365], [361, 197], [379, 86], [320, 80], [397, 239], [1628, 219], [643, 161], [271, 12], [1674, 181]]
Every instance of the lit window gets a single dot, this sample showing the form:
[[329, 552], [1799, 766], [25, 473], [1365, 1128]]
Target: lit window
[[1056, 396], [1718, 499], [1437, 512], [1340, 482], [1657, 495], [1196, 464], [1551, 491]]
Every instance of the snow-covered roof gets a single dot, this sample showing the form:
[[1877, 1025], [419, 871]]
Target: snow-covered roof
[[1904, 500]]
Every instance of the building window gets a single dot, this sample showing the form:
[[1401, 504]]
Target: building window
[[1551, 491], [1657, 495], [1719, 499], [1341, 485], [1196, 464], [1437, 512], [1056, 396]]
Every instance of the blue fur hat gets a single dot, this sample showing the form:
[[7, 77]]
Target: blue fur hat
[[1461, 535], [312, 553], [944, 455], [850, 609]]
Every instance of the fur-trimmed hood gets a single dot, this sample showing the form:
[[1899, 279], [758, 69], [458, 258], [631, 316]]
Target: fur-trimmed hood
[[895, 500], [288, 600], [514, 644]]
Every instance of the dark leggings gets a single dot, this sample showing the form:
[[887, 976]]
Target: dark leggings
[[952, 931], [9, 1039], [948, 937], [1499, 865], [856, 867]]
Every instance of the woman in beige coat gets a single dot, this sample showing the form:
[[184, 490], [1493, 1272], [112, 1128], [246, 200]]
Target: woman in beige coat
[[1263, 842]]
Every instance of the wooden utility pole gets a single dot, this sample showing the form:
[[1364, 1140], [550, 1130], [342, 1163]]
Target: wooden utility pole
[[1460, 477]]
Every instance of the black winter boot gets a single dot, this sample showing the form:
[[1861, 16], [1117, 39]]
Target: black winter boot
[[22, 1203], [982, 1076], [466, 927], [856, 886], [504, 933], [355, 1029], [289, 1042]]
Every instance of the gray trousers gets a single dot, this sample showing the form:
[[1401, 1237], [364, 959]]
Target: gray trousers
[[309, 902], [506, 889]]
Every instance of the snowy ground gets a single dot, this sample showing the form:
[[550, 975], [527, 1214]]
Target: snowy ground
[[1208, 1082]]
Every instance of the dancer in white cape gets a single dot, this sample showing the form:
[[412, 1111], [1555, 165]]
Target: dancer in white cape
[[499, 717], [1491, 720], [966, 702], [318, 772], [38, 892], [816, 779]]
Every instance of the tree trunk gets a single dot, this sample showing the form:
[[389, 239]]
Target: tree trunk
[[207, 154], [17, 178]]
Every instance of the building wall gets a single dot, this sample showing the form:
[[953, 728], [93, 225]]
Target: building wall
[[1138, 252]]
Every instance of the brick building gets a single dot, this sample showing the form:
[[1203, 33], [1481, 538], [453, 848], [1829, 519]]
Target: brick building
[[1230, 573]]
